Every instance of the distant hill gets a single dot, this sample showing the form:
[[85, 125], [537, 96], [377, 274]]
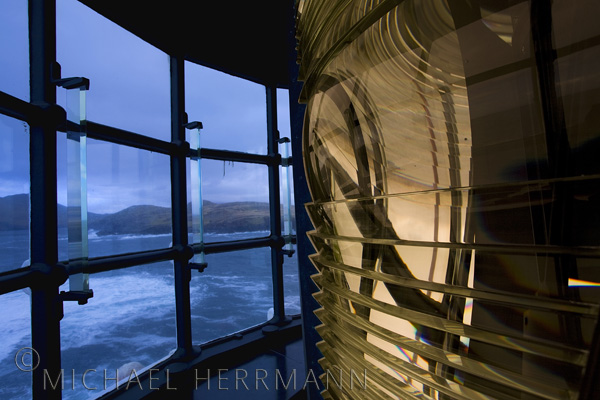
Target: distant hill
[[138, 220], [235, 217], [145, 219]]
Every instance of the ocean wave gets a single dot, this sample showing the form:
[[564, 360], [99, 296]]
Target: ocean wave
[[119, 304], [15, 324], [93, 235], [253, 233]]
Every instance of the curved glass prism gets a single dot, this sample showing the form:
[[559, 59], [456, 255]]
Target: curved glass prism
[[450, 152]]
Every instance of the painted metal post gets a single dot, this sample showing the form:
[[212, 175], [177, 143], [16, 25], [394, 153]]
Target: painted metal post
[[46, 309], [179, 209]]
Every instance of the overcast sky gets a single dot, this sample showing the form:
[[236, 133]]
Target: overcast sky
[[129, 89]]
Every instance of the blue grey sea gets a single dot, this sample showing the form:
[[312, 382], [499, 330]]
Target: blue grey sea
[[131, 318]]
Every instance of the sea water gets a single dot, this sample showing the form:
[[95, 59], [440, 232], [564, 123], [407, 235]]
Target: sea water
[[131, 318]]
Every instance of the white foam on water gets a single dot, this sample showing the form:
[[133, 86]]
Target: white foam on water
[[93, 235], [118, 302], [15, 325]]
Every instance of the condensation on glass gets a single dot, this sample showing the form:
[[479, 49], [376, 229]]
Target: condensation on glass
[[77, 214], [450, 152]]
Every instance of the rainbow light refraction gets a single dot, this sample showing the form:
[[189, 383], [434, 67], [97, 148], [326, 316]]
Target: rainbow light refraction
[[580, 283]]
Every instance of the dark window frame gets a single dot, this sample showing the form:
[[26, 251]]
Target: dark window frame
[[46, 273]]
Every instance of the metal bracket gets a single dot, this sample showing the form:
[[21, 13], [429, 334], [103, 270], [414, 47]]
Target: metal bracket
[[288, 252], [68, 83], [286, 162], [73, 83], [193, 125], [80, 297], [200, 267]]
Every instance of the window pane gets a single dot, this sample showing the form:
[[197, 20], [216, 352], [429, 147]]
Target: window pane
[[128, 324], [291, 285], [15, 331], [236, 199], [14, 193], [232, 110], [283, 112], [129, 199], [14, 49], [129, 79], [235, 292]]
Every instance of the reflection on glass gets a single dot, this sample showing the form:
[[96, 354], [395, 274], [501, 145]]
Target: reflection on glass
[[233, 293], [77, 218], [196, 189], [229, 107], [14, 193], [15, 330], [454, 195], [235, 199], [286, 191], [99, 336], [127, 200]]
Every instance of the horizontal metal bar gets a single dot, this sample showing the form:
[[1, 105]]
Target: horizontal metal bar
[[23, 277], [16, 280], [221, 247], [16, 108], [223, 353], [110, 263], [123, 137], [238, 156], [132, 139]]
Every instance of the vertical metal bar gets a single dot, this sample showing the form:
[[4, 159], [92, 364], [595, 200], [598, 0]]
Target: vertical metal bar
[[275, 207], [45, 308], [179, 208]]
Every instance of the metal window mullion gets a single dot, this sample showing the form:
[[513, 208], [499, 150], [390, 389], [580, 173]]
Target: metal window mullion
[[179, 208], [16, 108], [238, 156], [126, 138], [275, 207], [45, 308]]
